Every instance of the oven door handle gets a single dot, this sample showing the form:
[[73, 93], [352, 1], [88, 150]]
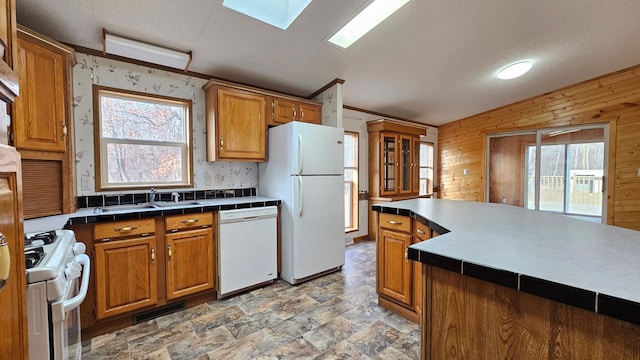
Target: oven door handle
[[60, 309]]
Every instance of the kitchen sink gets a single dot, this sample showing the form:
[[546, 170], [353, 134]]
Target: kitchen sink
[[123, 207], [179, 203]]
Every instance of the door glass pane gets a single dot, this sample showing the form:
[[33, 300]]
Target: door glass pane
[[586, 168], [405, 163], [531, 178], [552, 170], [389, 164]]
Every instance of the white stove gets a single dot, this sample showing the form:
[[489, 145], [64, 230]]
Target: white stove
[[55, 264]]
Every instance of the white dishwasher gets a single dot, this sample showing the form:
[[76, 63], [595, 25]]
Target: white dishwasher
[[247, 248]]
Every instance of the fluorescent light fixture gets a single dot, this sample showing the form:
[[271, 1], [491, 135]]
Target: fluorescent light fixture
[[138, 50], [367, 19], [279, 13], [514, 70]]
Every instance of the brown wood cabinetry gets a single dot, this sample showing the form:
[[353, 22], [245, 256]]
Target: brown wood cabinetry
[[126, 267], [189, 237], [399, 280], [287, 110], [395, 273], [13, 296], [394, 163], [42, 123], [236, 124], [143, 265]]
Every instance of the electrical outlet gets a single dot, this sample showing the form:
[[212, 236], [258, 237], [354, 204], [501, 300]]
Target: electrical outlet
[[638, 171], [504, 200], [85, 183]]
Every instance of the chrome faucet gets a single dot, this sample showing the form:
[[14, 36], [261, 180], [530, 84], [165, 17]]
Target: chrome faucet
[[175, 196], [152, 195]]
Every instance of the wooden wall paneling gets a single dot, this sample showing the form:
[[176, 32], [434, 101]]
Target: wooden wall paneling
[[515, 325], [612, 99]]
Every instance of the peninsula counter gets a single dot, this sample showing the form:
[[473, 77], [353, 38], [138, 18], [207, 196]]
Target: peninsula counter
[[503, 282]]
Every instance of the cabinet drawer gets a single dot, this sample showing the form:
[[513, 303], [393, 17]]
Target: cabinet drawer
[[177, 222], [421, 232], [395, 222], [124, 228]]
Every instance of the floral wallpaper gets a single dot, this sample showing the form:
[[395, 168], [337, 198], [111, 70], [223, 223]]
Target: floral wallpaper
[[331, 105], [117, 74]]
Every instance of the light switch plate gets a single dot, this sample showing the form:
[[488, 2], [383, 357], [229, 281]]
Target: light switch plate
[[85, 183], [638, 171]]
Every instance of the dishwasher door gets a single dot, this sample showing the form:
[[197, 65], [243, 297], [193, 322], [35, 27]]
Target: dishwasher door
[[247, 248]]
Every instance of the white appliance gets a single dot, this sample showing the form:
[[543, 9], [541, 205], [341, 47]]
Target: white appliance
[[247, 248], [55, 262], [306, 172]]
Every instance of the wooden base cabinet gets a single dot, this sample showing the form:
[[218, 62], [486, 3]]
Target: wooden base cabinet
[[126, 267], [189, 253], [399, 280]]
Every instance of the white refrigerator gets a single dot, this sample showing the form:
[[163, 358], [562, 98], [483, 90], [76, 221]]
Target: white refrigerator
[[305, 171]]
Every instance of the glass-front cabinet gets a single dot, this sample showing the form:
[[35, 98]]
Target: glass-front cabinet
[[389, 163], [406, 165]]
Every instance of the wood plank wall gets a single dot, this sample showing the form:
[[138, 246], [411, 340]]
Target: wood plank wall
[[612, 99]]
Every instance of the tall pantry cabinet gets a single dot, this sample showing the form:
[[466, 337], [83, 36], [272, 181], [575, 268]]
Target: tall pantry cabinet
[[13, 321], [42, 123]]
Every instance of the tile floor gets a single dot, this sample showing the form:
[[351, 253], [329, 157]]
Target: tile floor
[[333, 317]]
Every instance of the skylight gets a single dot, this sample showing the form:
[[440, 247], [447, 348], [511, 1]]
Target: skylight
[[279, 13], [367, 19]]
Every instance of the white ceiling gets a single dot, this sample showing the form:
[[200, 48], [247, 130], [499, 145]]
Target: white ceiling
[[434, 61]]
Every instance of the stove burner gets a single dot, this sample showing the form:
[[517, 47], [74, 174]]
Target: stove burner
[[46, 237], [34, 256]]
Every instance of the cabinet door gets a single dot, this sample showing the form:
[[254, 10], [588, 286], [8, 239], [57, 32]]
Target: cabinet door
[[415, 167], [421, 233], [126, 275], [405, 164], [189, 262], [388, 164], [395, 270], [39, 121], [13, 297], [310, 113], [241, 126], [283, 111]]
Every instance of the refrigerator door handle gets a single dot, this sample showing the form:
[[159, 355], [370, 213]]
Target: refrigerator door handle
[[300, 194], [300, 154]]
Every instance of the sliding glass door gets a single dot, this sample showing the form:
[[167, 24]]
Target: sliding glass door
[[556, 170]]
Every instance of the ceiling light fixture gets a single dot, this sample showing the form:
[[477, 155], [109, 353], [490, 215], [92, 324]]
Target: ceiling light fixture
[[138, 50], [279, 13], [375, 13], [514, 70]]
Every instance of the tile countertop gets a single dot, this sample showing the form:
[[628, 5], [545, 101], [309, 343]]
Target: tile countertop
[[88, 215], [589, 265]]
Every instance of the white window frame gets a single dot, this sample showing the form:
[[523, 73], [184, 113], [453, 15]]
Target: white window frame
[[101, 143], [354, 185]]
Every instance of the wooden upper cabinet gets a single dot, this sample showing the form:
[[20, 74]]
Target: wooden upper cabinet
[[42, 111], [311, 113], [394, 155], [284, 111], [287, 110], [236, 124]]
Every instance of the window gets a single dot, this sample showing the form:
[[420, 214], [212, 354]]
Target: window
[[142, 140], [426, 168], [350, 181]]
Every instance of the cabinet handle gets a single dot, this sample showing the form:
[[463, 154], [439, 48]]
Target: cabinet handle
[[301, 114], [221, 142], [420, 231], [406, 253], [64, 130], [126, 228], [393, 222], [294, 113], [190, 221], [170, 252], [153, 255]]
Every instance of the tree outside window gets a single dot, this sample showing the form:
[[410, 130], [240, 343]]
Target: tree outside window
[[142, 140]]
